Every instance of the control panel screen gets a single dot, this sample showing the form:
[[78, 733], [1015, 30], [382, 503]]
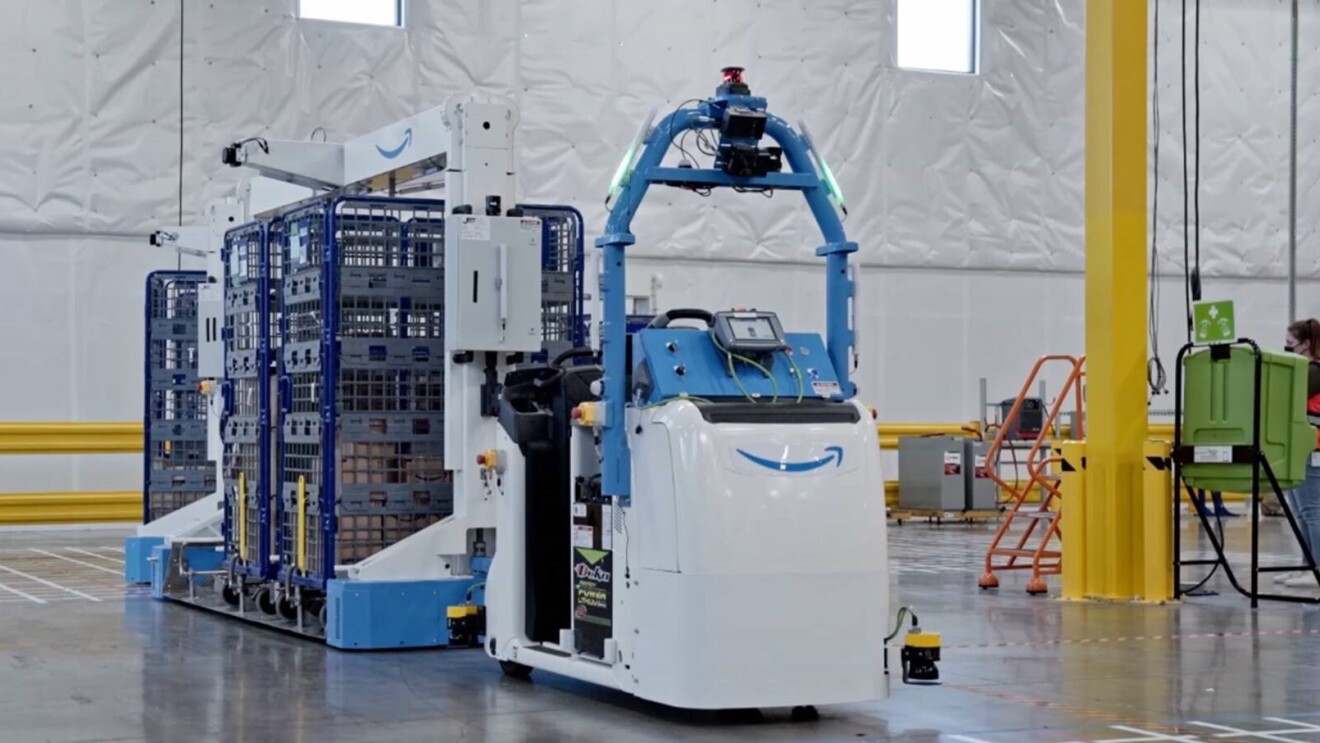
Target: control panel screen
[[756, 333], [754, 328]]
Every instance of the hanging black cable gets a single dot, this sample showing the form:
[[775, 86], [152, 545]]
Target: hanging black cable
[[181, 124], [1156, 376], [1196, 183], [1187, 211]]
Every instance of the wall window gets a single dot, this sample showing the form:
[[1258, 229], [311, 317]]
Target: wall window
[[374, 12], [939, 35]]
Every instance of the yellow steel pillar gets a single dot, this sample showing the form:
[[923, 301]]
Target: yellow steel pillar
[[1072, 517], [1116, 90], [1156, 549]]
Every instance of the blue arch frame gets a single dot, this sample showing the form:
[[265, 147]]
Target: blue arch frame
[[804, 177]]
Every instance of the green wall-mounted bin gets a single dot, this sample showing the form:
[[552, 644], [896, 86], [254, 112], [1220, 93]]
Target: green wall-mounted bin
[[1218, 399]]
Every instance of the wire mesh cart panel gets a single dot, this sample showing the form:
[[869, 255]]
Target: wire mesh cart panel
[[362, 372], [176, 471], [362, 381], [562, 295], [250, 316]]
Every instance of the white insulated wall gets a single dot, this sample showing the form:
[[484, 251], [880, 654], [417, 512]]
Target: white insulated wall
[[966, 193]]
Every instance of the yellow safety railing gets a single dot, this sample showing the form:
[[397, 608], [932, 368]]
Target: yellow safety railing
[[70, 438], [24, 509], [126, 438]]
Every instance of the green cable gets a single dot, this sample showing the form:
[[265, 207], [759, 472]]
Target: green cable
[[797, 372], [774, 385], [898, 622], [728, 356], [658, 403]]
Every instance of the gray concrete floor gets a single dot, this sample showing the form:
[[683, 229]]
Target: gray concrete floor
[[83, 659]]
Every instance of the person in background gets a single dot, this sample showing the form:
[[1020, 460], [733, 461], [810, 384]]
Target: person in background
[[1304, 502]]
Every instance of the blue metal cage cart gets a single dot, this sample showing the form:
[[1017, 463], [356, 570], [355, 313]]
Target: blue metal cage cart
[[361, 462], [251, 313], [176, 470]]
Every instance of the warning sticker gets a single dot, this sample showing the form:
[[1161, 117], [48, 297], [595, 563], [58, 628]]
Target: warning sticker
[[475, 228], [1212, 455], [952, 463], [980, 470], [584, 536], [579, 510], [825, 389]]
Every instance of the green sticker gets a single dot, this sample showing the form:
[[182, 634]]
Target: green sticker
[[592, 556], [1215, 322]]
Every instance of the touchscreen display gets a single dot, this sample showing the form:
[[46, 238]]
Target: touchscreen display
[[752, 329]]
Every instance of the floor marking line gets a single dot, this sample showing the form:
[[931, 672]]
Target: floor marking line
[[966, 739], [94, 554], [1230, 732], [27, 596], [1095, 640], [120, 550], [45, 582], [1153, 736], [102, 568], [1308, 727]]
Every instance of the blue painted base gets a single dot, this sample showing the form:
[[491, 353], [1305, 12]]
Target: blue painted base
[[383, 615], [137, 568], [199, 558]]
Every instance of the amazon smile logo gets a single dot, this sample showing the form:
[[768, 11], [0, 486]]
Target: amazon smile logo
[[391, 154], [835, 457]]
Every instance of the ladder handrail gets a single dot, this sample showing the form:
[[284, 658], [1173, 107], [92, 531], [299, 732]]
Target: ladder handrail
[[1036, 466]]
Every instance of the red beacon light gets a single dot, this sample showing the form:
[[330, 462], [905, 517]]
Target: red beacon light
[[733, 75]]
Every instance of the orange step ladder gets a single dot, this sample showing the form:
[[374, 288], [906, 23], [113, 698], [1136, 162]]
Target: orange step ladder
[[1014, 548]]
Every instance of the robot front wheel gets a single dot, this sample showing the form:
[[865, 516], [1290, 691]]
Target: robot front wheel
[[516, 670], [805, 713]]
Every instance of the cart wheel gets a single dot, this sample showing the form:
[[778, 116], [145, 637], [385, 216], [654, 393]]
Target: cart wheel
[[1036, 586], [288, 609], [265, 600], [229, 594], [989, 580]]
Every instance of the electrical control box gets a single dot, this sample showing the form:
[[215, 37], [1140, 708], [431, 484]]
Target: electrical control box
[[678, 362], [493, 284], [945, 473], [210, 323], [932, 473], [982, 491]]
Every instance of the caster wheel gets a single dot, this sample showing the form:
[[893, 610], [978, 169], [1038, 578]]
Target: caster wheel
[[287, 609], [1037, 587], [805, 713], [989, 580], [265, 600], [320, 617], [515, 670], [229, 594]]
